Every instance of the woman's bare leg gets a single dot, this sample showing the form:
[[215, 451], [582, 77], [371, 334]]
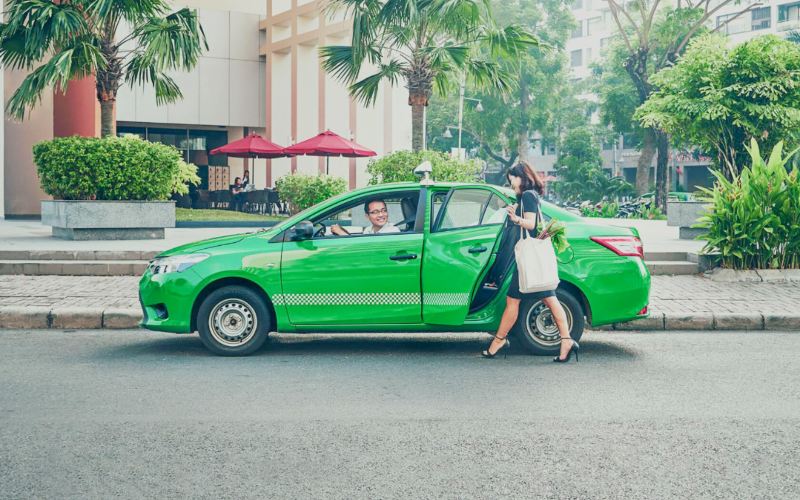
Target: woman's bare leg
[[560, 317], [506, 324]]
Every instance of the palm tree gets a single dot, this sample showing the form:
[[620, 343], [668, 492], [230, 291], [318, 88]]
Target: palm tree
[[61, 41], [426, 43]]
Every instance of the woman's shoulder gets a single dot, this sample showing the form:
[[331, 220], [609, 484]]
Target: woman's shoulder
[[530, 196]]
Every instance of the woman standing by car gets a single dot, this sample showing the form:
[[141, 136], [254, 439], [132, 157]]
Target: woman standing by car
[[528, 186]]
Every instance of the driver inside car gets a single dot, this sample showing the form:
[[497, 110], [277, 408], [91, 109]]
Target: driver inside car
[[378, 216]]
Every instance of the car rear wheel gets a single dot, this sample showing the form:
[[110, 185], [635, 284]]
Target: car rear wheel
[[536, 329], [233, 321]]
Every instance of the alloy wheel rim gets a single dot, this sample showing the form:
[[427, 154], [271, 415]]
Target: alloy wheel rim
[[541, 327], [232, 322]]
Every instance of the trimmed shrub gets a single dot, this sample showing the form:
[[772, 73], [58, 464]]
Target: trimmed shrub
[[754, 219], [111, 168], [399, 167], [303, 191]]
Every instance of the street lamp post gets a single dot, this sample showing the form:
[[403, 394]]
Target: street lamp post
[[461, 99]]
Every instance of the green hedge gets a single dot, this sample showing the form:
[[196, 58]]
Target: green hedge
[[112, 168], [754, 221], [399, 167], [303, 191]]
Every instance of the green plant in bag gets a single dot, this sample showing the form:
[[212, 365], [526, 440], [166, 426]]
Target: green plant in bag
[[557, 233]]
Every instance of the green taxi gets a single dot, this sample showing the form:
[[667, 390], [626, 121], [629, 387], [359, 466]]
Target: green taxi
[[433, 273]]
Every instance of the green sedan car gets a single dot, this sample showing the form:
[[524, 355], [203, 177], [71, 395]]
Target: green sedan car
[[327, 269]]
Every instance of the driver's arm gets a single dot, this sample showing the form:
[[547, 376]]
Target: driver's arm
[[338, 230]]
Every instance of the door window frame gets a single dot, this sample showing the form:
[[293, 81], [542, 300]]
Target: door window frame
[[419, 221], [436, 224]]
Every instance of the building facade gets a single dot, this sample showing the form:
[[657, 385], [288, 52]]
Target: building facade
[[260, 74]]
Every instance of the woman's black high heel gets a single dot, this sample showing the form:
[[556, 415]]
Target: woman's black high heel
[[575, 347], [506, 343]]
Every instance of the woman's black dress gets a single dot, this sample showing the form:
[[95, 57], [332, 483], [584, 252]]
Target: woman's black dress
[[505, 256]]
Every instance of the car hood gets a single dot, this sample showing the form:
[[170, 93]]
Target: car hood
[[205, 244]]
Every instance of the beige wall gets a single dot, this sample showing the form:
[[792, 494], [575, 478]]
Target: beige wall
[[22, 191], [226, 87], [302, 100]]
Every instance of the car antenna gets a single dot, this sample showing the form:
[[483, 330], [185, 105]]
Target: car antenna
[[424, 170]]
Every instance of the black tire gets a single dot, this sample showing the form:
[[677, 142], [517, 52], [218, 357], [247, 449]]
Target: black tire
[[536, 330], [233, 321]]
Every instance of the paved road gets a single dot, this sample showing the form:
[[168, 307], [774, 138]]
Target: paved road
[[96, 414]]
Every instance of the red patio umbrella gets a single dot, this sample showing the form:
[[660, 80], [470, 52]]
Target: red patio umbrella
[[329, 144], [252, 146]]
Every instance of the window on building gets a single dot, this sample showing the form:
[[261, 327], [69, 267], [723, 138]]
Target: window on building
[[605, 42], [576, 58], [194, 146], [588, 55], [577, 4], [789, 12], [761, 18], [730, 24], [578, 31], [594, 26]]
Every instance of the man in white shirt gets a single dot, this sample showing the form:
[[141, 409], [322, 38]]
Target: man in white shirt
[[378, 216]]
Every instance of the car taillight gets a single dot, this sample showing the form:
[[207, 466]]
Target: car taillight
[[643, 311], [627, 246]]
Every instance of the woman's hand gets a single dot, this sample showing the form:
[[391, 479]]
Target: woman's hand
[[512, 209]]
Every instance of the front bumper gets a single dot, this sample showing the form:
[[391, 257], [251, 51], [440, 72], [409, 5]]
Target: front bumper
[[167, 300]]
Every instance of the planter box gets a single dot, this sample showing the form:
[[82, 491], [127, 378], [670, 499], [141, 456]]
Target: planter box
[[108, 220], [684, 215]]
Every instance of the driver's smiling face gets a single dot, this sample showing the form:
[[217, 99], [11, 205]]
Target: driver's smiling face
[[377, 213]]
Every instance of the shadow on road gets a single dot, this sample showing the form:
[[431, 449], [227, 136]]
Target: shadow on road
[[363, 344]]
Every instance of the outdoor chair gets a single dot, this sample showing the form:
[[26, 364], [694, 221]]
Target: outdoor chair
[[274, 200]]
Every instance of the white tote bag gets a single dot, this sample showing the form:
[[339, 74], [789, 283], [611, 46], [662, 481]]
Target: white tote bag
[[536, 261]]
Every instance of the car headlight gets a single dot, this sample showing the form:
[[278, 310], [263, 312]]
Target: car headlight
[[176, 263]]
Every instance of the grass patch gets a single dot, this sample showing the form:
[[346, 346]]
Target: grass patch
[[205, 215]]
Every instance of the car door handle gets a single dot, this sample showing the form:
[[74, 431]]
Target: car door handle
[[478, 249], [404, 256]]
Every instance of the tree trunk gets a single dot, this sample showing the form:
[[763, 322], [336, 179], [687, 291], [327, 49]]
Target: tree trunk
[[108, 119], [662, 168], [646, 154], [417, 101]]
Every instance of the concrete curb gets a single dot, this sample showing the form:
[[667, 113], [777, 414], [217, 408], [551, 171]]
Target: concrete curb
[[16, 317], [711, 321]]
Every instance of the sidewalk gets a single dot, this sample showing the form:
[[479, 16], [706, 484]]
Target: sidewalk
[[24, 235], [676, 303]]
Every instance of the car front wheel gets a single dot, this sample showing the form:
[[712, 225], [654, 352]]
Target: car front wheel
[[233, 321], [536, 329]]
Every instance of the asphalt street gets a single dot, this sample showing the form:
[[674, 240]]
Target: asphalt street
[[135, 414]]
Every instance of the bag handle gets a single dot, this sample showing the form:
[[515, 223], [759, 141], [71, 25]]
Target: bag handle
[[523, 232]]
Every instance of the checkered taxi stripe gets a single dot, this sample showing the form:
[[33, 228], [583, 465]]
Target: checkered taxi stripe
[[357, 299]]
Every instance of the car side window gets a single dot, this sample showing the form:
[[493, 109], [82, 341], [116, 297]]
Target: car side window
[[401, 212], [471, 207]]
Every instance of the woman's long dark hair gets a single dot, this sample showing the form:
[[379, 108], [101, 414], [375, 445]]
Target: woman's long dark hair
[[530, 179]]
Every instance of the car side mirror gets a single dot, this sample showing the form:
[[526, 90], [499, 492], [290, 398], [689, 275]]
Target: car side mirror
[[303, 230]]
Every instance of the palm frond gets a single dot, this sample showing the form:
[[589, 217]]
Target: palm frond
[[509, 41], [81, 58], [172, 42], [140, 71], [366, 90], [490, 76], [34, 28], [133, 11], [338, 60]]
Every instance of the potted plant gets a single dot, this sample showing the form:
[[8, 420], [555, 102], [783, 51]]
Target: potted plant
[[110, 188]]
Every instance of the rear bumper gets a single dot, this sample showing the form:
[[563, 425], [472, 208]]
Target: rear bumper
[[619, 291]]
